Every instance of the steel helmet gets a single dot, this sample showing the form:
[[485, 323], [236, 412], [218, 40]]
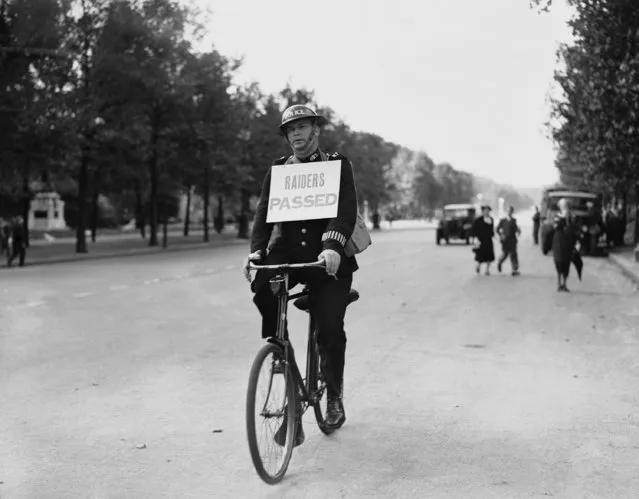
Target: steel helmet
[[298, 112]]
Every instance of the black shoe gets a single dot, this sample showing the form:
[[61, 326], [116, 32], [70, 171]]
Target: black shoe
[[335, 415], [280, 436], [515, 272]]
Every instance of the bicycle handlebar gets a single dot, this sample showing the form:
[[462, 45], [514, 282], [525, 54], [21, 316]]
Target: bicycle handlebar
[[288, 266]]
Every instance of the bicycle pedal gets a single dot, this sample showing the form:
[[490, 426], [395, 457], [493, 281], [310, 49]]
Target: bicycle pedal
[[279, 367]]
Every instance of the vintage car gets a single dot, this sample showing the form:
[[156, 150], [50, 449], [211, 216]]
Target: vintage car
[[456, 223], [585, 205]]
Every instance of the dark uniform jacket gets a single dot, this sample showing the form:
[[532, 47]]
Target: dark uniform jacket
[[305, 240]]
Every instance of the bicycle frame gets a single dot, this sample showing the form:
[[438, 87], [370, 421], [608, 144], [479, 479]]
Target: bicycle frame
[[279, 287]]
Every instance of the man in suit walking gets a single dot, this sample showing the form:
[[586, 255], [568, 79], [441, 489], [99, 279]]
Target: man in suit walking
[[508, 232]]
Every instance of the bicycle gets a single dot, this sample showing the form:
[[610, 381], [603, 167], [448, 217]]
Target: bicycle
[[299, 393]]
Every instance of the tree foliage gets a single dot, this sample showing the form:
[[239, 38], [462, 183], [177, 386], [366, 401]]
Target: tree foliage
[[108, 102], [597, 116], [596, 119]]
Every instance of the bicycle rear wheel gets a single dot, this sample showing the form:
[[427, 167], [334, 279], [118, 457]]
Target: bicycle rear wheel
[[270, 410]]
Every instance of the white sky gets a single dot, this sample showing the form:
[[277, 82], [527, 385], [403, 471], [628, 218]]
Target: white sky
[[466, 81]]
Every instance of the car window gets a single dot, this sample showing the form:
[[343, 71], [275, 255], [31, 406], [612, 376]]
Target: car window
[[456, 213], [575, 203]]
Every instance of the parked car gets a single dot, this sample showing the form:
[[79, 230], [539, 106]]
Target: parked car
[[456, 223]]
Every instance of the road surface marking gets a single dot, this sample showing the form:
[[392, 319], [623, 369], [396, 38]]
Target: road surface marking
[[119, 287], [152, 281], [82, 295]]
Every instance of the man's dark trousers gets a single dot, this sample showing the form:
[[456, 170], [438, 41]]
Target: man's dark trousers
[[509, 248], [18, 250], [328, 299]]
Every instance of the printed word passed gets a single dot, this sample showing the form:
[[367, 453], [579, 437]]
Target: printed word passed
[[304, 191]]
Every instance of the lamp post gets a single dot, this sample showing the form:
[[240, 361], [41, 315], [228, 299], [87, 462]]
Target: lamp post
[[500, 211]]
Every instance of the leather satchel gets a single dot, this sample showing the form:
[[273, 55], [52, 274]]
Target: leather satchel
[[360, 240]]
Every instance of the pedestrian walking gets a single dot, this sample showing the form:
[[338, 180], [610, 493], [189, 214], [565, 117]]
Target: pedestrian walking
[[536, 225], [19, 241], [484, 231], [508, 232], [565, 243], [5, 240]]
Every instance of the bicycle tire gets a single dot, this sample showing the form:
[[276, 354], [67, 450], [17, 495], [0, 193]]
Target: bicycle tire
[[261, 356], [318, 409]]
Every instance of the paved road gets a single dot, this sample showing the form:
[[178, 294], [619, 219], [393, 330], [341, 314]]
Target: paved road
[[458, 385]]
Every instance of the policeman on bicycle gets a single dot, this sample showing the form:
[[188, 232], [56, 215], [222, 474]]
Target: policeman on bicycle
[[307, 241]]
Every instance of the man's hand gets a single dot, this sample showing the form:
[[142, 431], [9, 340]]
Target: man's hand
[[332, 260], [253, 257]]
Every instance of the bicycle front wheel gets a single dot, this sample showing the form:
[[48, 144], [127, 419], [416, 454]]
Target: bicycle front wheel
[[270, 414]]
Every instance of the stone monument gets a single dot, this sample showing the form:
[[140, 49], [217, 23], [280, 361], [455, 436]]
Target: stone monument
[[47, 212]]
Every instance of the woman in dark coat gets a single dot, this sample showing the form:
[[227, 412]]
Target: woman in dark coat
[[565, 238], [484, 231]]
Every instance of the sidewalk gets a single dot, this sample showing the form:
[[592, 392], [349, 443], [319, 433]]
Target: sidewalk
[[624, 258], [117, 244], [121, 245]]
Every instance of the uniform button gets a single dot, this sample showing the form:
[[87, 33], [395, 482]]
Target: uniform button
[[303, 231], [303, 243]]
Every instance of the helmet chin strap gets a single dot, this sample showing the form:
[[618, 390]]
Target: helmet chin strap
[[310, 144]]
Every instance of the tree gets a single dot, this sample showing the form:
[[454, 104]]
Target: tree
[[597, 117], [427, 191]]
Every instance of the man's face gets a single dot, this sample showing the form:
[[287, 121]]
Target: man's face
[[511, 210], [299, 132]]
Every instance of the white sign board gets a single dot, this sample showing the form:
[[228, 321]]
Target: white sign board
[[304, 191]]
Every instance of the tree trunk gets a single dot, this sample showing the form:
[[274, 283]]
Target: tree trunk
[[219, 218], [636, 234], [94, 205], [207, 199], [165, 231], [139, 208], [153, 198], [187, 215], [624, 219], [624, 207], [26, 206], [83, 180], [243, 221]]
